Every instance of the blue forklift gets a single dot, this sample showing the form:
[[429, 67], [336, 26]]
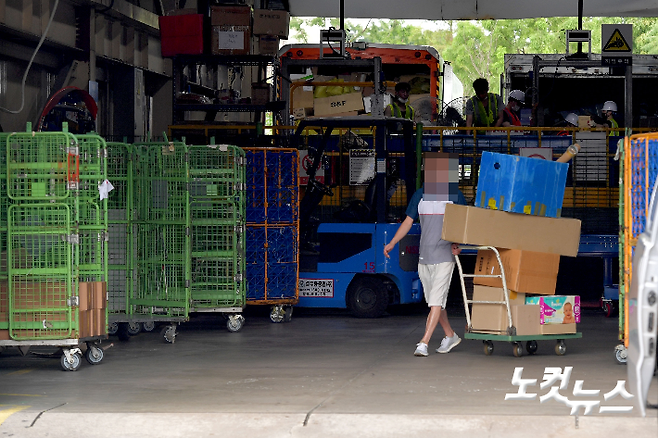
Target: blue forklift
[[342, 263]]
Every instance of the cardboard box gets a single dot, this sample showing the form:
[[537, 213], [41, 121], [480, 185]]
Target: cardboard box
[[557, 329], [260, 94], [268, 45], [39, 295], [525, 271], [271, 22], [230, 16], [85, 323], [230, 40], [4, 300], [493, 317], [584, 121], [85, 296], [485, 227], [181, 35], [302, 113], [99, 292], [557, 309], [4, 335], [343, 103], [302, 98], [98, 322], [21, 260], [521, 184], [347, 114]]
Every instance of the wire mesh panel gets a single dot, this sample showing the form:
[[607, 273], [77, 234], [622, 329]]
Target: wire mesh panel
[[41, 165], [40, 255], [643, 171], [160, 226], [217, 218], [119, 281], [272, 185], [272, 263]]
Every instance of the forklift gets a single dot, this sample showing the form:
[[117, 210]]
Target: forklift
[[342, 262]]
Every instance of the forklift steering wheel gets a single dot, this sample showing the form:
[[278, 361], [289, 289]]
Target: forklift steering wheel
[[325, 189]]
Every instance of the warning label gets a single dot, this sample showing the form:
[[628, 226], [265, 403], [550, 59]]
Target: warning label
[[616, 43], [316, 287]]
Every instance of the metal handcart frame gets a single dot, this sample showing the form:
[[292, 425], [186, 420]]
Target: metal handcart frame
[[510, 333]]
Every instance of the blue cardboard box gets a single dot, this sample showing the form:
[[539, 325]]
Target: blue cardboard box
[[521, 184]]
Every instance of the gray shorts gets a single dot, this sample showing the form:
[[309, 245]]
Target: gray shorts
[[436, 282]]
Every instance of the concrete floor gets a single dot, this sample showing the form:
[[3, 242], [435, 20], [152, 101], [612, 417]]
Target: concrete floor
[[324, 374]]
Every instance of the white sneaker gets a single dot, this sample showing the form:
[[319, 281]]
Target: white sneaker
[[421, 349], [448, 344]]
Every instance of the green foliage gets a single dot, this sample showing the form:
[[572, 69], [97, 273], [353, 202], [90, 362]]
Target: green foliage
[[477, 48]]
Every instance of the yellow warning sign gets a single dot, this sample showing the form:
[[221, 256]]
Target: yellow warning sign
[[616, 43]]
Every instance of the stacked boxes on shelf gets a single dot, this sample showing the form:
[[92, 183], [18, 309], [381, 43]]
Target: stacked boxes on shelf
[[217, 210], [529, 245], [272, 225], [53, 231]]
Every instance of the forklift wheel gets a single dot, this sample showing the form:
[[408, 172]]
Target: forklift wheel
[[367, 297]]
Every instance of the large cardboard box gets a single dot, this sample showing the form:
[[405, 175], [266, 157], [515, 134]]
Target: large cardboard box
[[4, 335], [271, 22], [557, 309], [84, 296], [230, 16], [260, 93], [40, 295], [493, 317], [98, 322], [21, 260], [525, 271], [302, 98], [230, 40], [99, 292], [85, 323], [521, 184], [268, 45], [485, 227], [343, 103], [181, 35]]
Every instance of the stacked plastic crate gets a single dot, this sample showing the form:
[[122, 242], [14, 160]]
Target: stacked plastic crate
[[54, 253], [273, 229], [217, 210]]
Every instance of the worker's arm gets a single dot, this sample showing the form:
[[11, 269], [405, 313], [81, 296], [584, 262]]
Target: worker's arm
[[469, 123], [402, 231], [387, 111], [499, 122]]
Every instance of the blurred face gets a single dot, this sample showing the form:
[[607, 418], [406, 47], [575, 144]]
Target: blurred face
[[483, 96], [441, 177], [568, 311], [402, 95]]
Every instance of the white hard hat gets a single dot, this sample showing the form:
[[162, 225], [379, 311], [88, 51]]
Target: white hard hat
[[517, 95], [572, 118], [609, 106]]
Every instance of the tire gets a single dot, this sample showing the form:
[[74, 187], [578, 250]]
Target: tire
[[517, 349], [112, 328], [621, 354], [67, 366], [169, 334], [148, 326], [531, 347], [367, 297], [235, 323], [134, 328], [560, 348], [488, 348], [287, 314], [94, 354], [608, 308]]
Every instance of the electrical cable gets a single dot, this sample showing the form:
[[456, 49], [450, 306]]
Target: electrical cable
[[29, 65]]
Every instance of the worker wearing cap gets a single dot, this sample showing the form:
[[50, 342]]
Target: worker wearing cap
[[511, 115], [609, 107], [484, 109], [572, 122], [400, 107]]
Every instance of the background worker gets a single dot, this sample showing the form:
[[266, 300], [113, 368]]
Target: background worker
[[572, 122], [608, 110], [436, 256], [512, 111], [400, 107], [484, 109]]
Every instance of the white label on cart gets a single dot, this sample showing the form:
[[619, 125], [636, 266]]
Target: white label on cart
[[316, 288]]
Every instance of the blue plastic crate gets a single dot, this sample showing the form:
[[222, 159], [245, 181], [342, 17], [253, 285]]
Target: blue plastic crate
[[255, 274], [521, 185], [282, 245], [281, 280], [255, 245], [644, 170]]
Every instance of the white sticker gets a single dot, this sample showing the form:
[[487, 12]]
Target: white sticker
[[231, 40], [316, 288]]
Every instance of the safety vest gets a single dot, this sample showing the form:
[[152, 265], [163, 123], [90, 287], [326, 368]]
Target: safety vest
[[482, 116], [514, 119], [396, 112], [614, 124]]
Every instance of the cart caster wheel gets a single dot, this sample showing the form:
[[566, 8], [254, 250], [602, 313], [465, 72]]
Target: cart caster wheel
[[94, 354], [287, 314], [134, 328], [488, 348], [517, 349], [621, 354], [169, 334], [531, 347], [235, 323], [277, 314], [112, 328], [608, 308], [73, 364], [123, 332], [148, 326], [560, 348]]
